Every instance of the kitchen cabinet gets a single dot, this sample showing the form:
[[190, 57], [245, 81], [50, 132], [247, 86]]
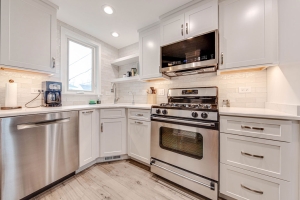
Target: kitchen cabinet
[[139, 132], [88, 136], [258, 158], [248, 33], [28, 35], [195, 20], [113, 134], [149, 48]]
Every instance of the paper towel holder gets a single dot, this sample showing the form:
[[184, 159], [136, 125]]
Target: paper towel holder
[[11, 108]]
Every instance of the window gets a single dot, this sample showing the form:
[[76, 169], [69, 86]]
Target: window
[[80, 69]]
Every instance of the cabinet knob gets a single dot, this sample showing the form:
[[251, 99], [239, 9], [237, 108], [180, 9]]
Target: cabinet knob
[[53, 62], [138, 122], [222, 58], [182, 29], [187, 28]]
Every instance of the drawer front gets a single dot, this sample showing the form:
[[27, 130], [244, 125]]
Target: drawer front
[[258, 155], [139, 114], [254, 127], [112, 113], [242, 184]]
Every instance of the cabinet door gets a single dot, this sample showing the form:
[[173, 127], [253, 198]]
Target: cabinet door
[[139, 140], [28, 35], [172, 30], [88, 136], [150, 53], [202, 19], [113, 137], [248, 36]]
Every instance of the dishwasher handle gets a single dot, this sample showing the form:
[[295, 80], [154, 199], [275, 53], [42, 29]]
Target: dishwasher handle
[[40, 124]]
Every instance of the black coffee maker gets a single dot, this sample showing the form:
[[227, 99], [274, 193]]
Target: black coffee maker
[[52, 94]]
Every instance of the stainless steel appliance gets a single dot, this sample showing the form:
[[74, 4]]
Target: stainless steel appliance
[[185, 139], [52, 93], [37, 150], [192, 56]]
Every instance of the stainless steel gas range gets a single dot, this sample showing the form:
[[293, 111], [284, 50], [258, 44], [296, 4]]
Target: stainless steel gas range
[[185, 139]]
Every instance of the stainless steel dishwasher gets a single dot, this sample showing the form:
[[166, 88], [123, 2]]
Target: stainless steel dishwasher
[[37, 150]]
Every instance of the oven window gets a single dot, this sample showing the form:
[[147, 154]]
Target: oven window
[[181, 141]]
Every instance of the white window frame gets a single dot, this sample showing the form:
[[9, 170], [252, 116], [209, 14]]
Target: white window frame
[[66, 36]]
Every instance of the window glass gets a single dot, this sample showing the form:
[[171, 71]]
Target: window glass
[[80, 67], [181, 141]]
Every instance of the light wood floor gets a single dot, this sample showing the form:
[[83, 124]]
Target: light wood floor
[[120, 180]]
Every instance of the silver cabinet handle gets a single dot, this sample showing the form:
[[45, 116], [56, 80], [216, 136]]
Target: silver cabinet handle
[[53, 62], [101, 127], [138, 122], [85, 112], [222, 58], [184, 121], [139, 115], [182, 29], [206, 185], [254, 128], [256, 191], [40, 124], [252, 155], [186, 30], [245, 127]]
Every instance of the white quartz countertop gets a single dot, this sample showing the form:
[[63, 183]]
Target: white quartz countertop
[[40, 110], [257, 112]]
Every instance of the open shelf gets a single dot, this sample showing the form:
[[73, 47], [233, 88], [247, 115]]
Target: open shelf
[[126, 79], [126, 60]]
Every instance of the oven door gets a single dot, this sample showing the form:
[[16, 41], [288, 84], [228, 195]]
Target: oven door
[[189, 145]]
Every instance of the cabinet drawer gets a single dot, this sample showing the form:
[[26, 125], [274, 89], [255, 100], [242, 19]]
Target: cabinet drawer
[[112, 113], [139, 114], [242, 184], [259, 155], [262, 128]]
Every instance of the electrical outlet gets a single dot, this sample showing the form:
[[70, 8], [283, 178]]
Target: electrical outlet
[[161, 92], [35, 90], [244, 89]]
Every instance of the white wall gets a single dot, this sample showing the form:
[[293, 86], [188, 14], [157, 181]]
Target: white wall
[[284, 81], [28, 80], [228, 85]]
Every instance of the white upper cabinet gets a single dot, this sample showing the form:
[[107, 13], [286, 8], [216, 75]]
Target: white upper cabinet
[[28, 34], [202, 19], [172, 30], [150, 53], [192, 21], [248, 33]]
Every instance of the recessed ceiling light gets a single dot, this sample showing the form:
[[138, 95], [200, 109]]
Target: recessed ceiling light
[[108, 10], [115, 34]]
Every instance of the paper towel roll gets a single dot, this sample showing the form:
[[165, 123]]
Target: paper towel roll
[[11, 95]]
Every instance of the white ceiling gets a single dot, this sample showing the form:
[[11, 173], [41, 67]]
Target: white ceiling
[[128, 17]]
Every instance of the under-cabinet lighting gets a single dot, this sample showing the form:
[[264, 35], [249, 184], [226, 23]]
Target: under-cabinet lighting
[[241, 70], [8, 69]]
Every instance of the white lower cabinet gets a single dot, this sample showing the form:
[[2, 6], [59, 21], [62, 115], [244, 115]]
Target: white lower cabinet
[[113, 137], [243, 184], [88, 136], [139, 140]]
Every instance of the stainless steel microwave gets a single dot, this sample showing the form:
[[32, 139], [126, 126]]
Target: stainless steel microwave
[[191, 56]]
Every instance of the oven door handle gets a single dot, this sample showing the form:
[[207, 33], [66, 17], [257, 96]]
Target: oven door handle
[[204, 184], [186, 122]]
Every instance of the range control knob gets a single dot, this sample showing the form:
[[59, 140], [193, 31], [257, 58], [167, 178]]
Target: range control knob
[[157, 111], [164, 112], [194, 114], [204, 115]]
